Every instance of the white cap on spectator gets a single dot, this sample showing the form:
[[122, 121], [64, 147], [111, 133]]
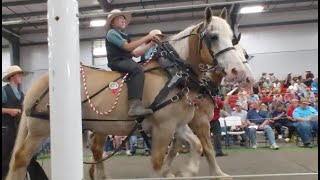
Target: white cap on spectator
[[238, 104]]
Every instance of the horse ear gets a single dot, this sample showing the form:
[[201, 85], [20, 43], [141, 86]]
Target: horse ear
[[224, 14], [207, 16]]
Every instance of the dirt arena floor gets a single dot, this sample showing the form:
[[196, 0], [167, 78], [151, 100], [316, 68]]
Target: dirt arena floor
[[240, 161]]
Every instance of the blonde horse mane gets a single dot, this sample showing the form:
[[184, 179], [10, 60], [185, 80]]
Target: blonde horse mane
[[181, 46]]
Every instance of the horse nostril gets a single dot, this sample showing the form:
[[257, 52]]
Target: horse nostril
[[234, 71], [248, 80]]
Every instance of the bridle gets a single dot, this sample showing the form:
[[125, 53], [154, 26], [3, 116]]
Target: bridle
[[207, 40]]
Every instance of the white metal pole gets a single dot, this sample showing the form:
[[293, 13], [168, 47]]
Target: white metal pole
[[65, 97]]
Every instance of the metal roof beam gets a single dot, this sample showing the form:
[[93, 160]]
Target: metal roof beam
[[105, 5], [22, 2], [131, 4], [43, 13]]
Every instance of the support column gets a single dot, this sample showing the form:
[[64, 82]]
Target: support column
[[14, 47], [64, 83]]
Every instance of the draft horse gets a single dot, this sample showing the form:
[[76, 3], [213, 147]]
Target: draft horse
[[163, 124]]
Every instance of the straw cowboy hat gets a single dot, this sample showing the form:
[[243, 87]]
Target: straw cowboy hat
[[127, 16], [12, 70], [157, 32]]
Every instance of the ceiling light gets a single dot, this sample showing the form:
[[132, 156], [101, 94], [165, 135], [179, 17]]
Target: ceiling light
[[251, 9], [96, 23]]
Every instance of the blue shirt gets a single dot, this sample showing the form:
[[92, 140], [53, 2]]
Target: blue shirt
[[147, 54], [252, 98], [114, 37], [311, 96], [16, 93], [314, 86], [257, 117], [304, 113]]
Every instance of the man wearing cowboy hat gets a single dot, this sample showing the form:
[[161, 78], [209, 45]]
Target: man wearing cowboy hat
[[306, 119], [12, 98], [120, 50]]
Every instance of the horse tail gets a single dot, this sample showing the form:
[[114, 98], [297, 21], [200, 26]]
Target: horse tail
[[23, 131], [21, 136]]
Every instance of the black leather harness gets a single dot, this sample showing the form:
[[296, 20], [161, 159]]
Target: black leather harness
[[180, 75]]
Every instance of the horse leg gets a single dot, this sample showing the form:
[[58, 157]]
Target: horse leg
[[173, 152], [201, 127], [96, 171], [192, 166], [30, 138], [160, 142]]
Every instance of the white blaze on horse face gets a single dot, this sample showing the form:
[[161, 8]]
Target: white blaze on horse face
[[231, 59], [249, 78]]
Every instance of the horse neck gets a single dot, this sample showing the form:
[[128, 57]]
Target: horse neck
[[201, 55]]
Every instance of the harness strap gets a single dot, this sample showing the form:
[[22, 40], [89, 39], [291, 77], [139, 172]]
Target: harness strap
[[138, 125]]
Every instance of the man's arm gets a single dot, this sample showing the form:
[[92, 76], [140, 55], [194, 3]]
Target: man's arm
[[11, 112], [298, 118], [114, 37], [141, 50], [224, 113]]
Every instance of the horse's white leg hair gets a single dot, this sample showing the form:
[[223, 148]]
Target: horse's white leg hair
[[97, 146], [27, 146], [160, 142], [192, 167], [173, 151], [201, 128]]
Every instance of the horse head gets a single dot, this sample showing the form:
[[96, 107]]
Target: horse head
[[218, 36]]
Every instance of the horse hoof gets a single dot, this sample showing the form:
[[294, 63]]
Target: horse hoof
[[167, 173], [226, 177], [184, 174]]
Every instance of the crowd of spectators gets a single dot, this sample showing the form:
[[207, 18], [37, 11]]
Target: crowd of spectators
[[269, 106]]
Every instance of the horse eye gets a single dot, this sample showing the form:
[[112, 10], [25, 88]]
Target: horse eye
[[214, 37]]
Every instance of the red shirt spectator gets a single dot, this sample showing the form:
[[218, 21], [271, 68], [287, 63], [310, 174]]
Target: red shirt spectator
[[294, 103], [217, 109]]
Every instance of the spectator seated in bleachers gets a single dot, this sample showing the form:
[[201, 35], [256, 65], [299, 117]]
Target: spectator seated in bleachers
[[257, 119], [243, 115], [309, 77], [277, 85], [294, 103], [306, 119], [314, 85], [262, 78], [267, 85], [293, 88], [242, 98], [301, 88], [277, 98], [134, 146], [287, 80], [309, 95], [272, 77], [315, 105], [252, 97], [281, 118], [256, 88], [288, 97], [264, 107]]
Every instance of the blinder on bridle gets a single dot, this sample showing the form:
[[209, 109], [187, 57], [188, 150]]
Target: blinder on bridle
[[207, 40]]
